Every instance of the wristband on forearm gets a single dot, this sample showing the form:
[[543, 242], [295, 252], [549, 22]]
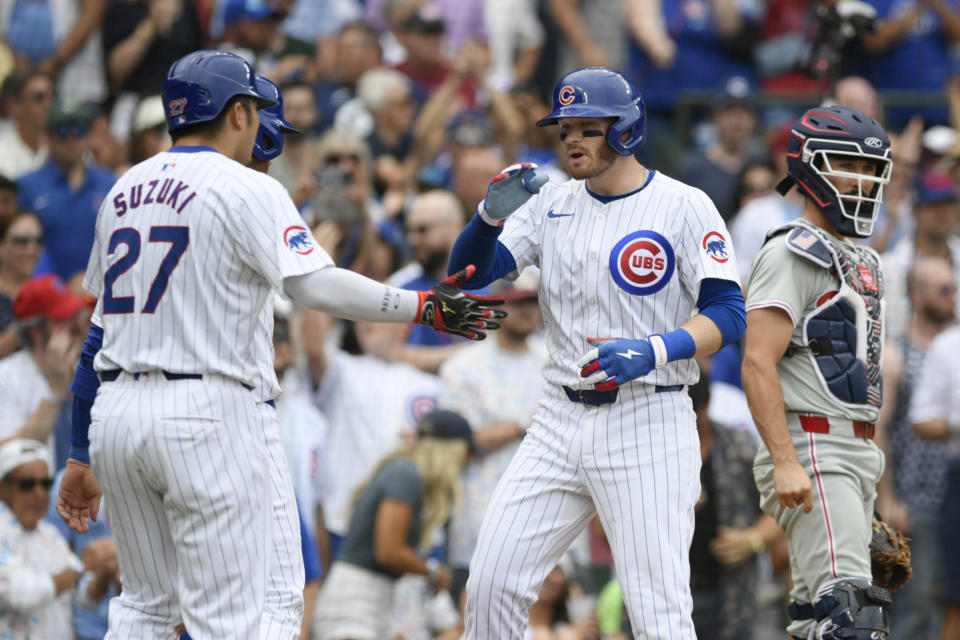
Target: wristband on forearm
[[676, 345]]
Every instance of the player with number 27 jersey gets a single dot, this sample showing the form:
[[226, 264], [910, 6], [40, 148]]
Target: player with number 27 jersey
[[165, 207]]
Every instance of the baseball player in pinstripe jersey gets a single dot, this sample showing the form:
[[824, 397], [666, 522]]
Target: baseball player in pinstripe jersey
[[190, 245], [811, 370], [625, 253]]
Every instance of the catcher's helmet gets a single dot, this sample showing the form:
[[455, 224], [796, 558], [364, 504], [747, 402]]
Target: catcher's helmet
[[269, 142], [598, 92], [199, 85], [825, 132]]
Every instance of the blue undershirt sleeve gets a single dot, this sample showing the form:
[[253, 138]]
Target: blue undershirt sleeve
[[722, 301], [84, 390], [477, 244]]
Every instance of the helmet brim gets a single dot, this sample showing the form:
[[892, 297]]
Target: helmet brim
[[578, 111]]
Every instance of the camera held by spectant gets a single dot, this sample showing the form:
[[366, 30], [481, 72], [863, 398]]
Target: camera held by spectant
[[836, 27]]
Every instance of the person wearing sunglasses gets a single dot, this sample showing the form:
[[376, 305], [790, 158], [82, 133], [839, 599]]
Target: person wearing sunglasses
[[21, 241], [67, 191], [38, 572], [25, 143]]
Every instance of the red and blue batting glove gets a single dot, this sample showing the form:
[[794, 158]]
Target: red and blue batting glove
[[447, 308], [616, 361], [508, 190]]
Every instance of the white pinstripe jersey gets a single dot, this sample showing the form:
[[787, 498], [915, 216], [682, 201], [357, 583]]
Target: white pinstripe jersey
[[622, 267], [189, 247]]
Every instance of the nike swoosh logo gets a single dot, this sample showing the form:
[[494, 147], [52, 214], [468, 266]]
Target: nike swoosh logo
[[551, 214]]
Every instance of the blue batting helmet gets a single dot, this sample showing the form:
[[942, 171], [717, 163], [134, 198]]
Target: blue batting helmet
[[819, 141], [269, 142], [199, 85], [598, 92]]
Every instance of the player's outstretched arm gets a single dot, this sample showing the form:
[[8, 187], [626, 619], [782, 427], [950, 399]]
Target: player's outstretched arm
[[769, 330], [349, 295], [477, 244]]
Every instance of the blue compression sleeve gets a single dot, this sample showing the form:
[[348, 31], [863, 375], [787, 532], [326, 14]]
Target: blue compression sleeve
[[722, 302], [477, 245], [84, 390]]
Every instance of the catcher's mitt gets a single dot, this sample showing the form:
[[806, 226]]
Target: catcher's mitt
[[889, 556]]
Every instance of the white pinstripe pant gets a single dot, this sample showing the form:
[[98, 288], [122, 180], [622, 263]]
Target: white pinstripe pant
[[636, 462], [200, 501], [832, 541]]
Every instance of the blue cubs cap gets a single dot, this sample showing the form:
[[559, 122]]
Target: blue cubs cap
[[935, 186]]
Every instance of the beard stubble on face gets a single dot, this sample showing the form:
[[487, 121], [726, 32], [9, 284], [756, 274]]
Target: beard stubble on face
[[602, 159]]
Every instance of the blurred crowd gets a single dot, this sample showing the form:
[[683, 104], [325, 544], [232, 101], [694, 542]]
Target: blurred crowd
[[406, 109]]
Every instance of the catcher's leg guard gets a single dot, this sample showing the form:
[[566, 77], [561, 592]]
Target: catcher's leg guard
[[851, 609]]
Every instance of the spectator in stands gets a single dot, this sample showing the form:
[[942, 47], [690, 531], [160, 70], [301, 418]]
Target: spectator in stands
[[29, 94], [36, 379], [551, 617], [21, 241], [8, 196], [148, 132], [911, 491], [141, 39], [500, 123], [62, 38], [411, 493], [303, 427], [593, 34], [387, 96], [387, 251], [515, 37], [537, 144], [249, 28], [716, 168], [340, 163], [312, 28], [433, 222], [101, 581], [756, 180], [489, 383], [427, 63], [730, 529], [749, 226], [858, 93], [935, 212], [462, 20], [935, 414], [357, 51], [66, 192], [474, 166], [910, 52], [300, 110], [361, 431], [677, 50], [38, 572]]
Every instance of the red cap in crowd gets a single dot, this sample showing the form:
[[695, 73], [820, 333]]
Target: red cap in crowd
[[47, 296]]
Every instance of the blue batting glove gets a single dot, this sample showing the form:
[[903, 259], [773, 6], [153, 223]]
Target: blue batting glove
[[509, 189], [616, 361]]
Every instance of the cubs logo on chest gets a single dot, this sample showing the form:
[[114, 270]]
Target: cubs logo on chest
[[642, 262]]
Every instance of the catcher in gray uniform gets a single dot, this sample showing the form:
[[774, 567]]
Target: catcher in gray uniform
[[811, 371]]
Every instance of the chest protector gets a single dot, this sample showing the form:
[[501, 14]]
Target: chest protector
[[843, 336]]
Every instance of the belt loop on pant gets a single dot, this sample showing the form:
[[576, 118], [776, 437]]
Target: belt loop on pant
[[821, 424]]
